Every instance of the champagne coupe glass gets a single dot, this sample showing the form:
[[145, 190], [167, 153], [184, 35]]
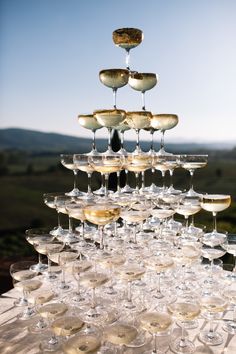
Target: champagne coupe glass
[[67, 162], [118, 335], [50, 201], [161, 263], [34, 236], [213, 305], [142, 82], [157, 324], [70, 235], [213, 248], [114, 78], [135, 217], [20, 272], [79, 267], [94, 311], [183, 310], [86, 343], [187, 206], [24, 280], [128, 273], [101, 215], [138, 120], [50, 312], [127, 38], [66, 326], [160, 164], [64, 258], [164, 122], [191, 163], [106, 164], [51, 249], [215, 203], [171, 162], [40, 325], [231, 248], [110, 118], [90, 122], [82, 163], [75, 211], [137, 163]]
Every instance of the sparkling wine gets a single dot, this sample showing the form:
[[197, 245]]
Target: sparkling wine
[[188, 209], [23, 275], [110, 117], [93, 279], [44, 297], [127, 38], [159, 263], [111, 261], [67, 326], [137, 163], [215, 202], [164, 121], [102, 214], [81, 266], [212, 253], [53, 310], [28, 285], [82, 344], [155, 322], [193, 165], [213, 304], [114, 78], [138, 119], [89, 121], [162, 213], [142, 81], [130, 273], [135, 216], [120, 334], [184, 311]]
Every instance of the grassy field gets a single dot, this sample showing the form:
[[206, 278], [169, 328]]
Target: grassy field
[[23, 185]]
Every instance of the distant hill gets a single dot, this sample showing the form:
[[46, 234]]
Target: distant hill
[[36, 141]]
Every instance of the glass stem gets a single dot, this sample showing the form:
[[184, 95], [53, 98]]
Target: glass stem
[[143, 180], [94, 140], [135, 232], [126, 177], [171, 178], [106, 175], [162, 140], [89, 191], [78, 287], [137, 182], [163, 173], [118, 181], [39, 258], [114, 90], [127, 59], [143, 100], [211, 329], [214, 221], [158, 283], [155, 343], [82, 229], [182, 339], [191, 179], [129, 295], [70, 225], [101, 227], [109, 139], [122, 139], [58, 219], [152, 142], [137, 139], [75, 178]]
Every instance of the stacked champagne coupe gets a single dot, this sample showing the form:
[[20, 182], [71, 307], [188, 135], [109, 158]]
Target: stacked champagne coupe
[[125, 275]]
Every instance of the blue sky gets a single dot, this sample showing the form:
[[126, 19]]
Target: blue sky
[[51, 52]]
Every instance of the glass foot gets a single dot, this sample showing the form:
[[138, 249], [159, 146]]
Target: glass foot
[[27, 314], [39, 267], [210, 338], [50, 345], [182, 346], [75, 193]]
